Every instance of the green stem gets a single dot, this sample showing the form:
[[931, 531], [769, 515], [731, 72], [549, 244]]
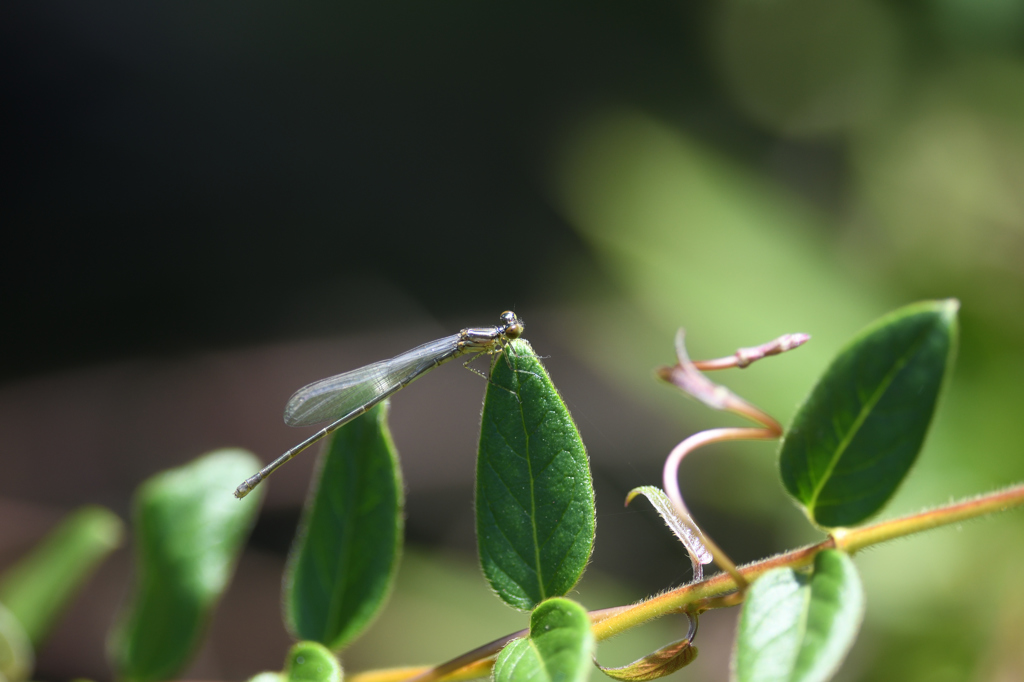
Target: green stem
[[852, 540], [849, 540], [610, 622]]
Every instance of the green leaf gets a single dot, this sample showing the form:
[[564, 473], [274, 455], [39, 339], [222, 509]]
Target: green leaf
[[312, 662], [559, 649], [189, 530], [41, 585], [797, 627], [858, 433], [343, 561], [307, 662], [534, 496], [662, 662], [16, 656]]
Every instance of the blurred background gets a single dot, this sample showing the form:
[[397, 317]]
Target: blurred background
[[209, 206]]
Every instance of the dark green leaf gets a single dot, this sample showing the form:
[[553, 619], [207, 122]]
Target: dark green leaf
[[344, 559], [662, 662], [559, 649], [16, 655], [858, 433], [189, 529], [534, 496], [38, 588], [797, 627]]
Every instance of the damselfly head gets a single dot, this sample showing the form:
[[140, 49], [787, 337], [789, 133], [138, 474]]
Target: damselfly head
[[512, 326]]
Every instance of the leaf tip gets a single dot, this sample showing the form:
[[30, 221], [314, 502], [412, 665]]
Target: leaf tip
[[949, 308], [105, 527]]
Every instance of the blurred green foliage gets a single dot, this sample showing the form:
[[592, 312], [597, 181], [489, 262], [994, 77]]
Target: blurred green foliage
[[306, 662], [189, 530], [38, 588]]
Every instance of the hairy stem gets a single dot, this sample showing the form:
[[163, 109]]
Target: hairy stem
[[610, 622]]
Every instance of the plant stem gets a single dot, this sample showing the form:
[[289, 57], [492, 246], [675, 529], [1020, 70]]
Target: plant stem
[[852, 540], [610, 622]]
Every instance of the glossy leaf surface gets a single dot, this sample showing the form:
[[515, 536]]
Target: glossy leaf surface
[[38, 588], [534, 496], [797, 627], [189, 530], [559, 649], [858, 433], [344, 558]]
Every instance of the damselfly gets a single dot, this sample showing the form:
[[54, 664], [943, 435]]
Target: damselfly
[[344, 397]]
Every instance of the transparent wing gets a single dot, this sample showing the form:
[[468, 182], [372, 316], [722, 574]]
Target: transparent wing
[[332, 398]]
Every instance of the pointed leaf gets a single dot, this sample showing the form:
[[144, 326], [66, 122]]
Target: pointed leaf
[[534, 496], [662, 662], [559, 648], [858, 433], [40, 586], [189, 530], [796, 627], [344, 558], [16, 656]]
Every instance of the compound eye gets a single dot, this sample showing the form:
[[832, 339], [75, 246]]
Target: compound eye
[[508, 317]]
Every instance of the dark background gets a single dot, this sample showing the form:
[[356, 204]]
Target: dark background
[[207, 206]]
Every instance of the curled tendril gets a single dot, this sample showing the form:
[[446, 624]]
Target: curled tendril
[[686, 376]]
